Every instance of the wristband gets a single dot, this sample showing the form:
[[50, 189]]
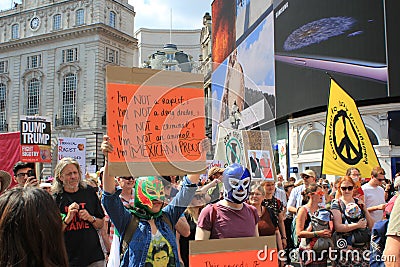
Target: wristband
[[94, 220], [315, 234], [283, 237]]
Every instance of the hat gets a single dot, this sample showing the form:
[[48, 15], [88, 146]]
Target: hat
[[309, 173], [215, 170], [5, 179], [43, 185], [396, 183]]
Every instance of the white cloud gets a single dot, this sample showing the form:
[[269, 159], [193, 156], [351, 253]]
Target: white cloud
[[157, 13]]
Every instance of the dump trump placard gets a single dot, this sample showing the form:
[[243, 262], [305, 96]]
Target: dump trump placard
[[35, 139]]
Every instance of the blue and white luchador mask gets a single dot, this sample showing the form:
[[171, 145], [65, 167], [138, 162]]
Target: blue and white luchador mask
[[236, 179]]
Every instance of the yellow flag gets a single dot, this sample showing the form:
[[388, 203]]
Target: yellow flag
[[346, 142]]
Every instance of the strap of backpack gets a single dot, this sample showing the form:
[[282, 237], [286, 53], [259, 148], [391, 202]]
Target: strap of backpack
[[128, 234]]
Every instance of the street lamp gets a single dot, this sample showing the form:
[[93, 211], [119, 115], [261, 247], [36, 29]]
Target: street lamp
[[97, 142], [235, 116]]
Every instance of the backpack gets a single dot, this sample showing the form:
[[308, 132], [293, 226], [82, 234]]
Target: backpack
[[130, 230], [318, 221], [378, 241]]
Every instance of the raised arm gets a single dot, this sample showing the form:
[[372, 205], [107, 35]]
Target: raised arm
[[108, 181]]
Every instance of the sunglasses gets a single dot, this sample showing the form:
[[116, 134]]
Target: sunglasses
[[128, 178], [349, 188], [305, 176], [325, 187], [381, 180]]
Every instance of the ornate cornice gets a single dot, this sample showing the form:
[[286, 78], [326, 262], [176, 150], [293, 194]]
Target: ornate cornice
[[94, 29]]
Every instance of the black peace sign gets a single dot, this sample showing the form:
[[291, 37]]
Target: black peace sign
[[350, 153]]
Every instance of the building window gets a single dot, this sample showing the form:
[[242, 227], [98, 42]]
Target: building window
[[33, 97], [313, 141], [70, 55], [112, 56], [15, 31], [69, 99], [80, 17], [112, 19], [4, 66], [34, 61], [57, 22], [3, 102]]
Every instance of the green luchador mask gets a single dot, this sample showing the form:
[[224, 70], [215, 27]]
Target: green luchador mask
[[147, 189]]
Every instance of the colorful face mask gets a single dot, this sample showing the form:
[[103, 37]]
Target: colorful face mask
[[148, 189], [236, 179]]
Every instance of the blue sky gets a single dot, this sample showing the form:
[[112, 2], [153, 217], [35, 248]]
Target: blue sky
[[156, 14]]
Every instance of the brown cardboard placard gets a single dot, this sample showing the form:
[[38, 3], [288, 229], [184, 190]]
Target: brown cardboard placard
[[155, 120]]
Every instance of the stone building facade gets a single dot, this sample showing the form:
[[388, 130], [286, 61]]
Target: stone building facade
[[53, 58]]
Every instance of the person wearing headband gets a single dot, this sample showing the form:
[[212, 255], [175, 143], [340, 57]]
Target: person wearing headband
[[155, 218]]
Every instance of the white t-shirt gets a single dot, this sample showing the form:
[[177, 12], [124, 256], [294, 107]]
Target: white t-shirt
[[374, 196]]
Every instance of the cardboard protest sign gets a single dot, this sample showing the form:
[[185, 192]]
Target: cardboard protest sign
[[248, 251], [230, 147], [35, 139], [259, 154], [74, 148], [252, 149], [155, 120]]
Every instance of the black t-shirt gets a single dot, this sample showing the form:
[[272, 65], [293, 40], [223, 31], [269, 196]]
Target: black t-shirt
[[184, 241], [81, 238]]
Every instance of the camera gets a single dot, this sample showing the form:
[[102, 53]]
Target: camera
[[31, 173]]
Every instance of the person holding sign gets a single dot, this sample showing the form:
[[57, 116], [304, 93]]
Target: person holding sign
[[231, 216], [153, 221]]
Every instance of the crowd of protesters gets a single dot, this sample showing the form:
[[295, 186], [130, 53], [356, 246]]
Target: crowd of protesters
[[101, 220]]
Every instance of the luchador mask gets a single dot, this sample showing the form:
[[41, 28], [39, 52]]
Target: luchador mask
[[236, 179], [148, 189]]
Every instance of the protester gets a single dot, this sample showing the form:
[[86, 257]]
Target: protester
[[215, 177], [24, 174], [266, 224], [46, 187], [154, 222], [392, 251], [231, 216], [5, 181], [354, 173], [295, 198], [278, 212], [280, 182], [126, 184], [30, 229], [82, 212], [327, 196], [192, 215], [344, 228], [374, 194], [312, 195]]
